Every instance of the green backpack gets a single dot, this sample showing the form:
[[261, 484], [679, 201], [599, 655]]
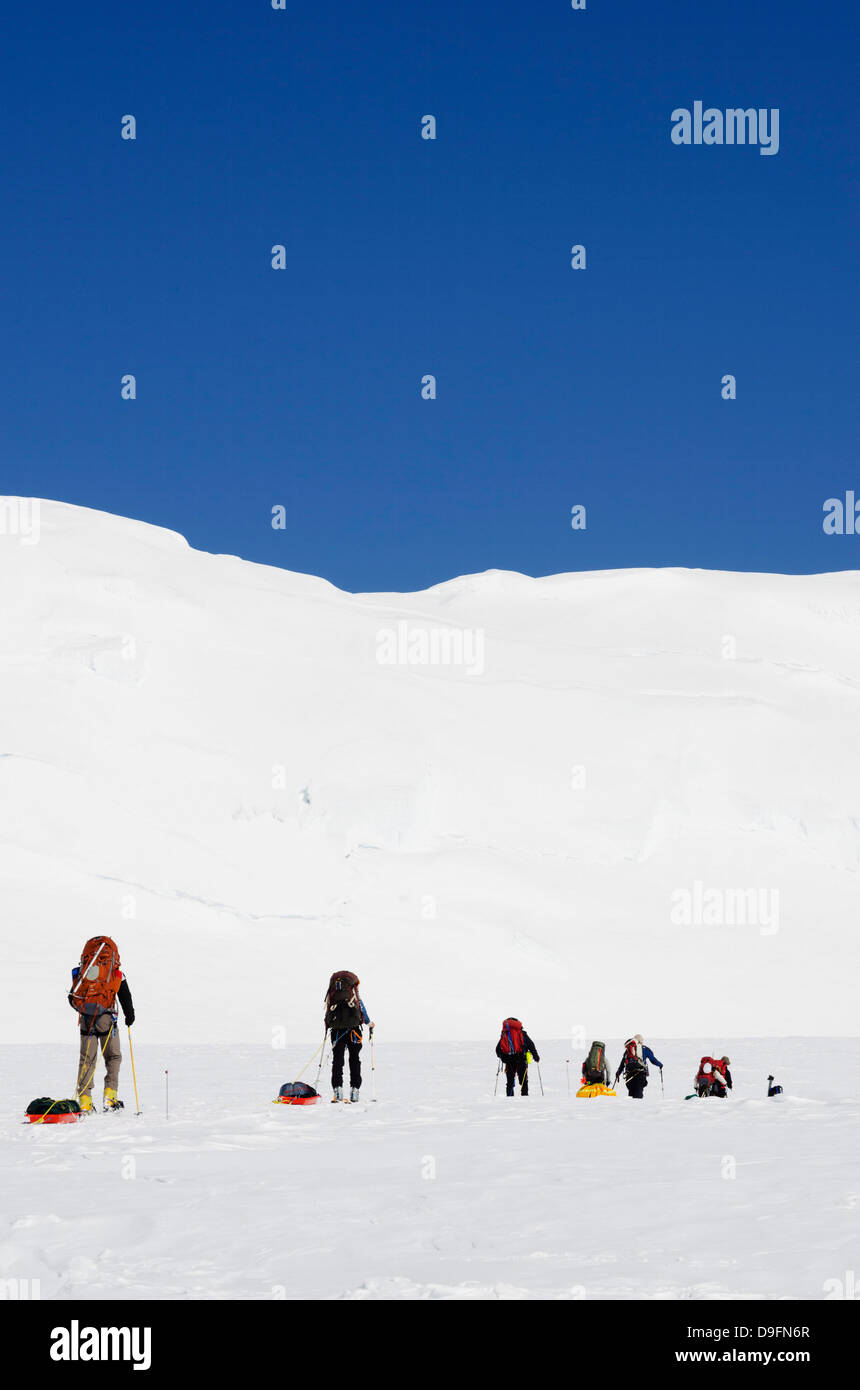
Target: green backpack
[[594, 1070], [44, 1104]]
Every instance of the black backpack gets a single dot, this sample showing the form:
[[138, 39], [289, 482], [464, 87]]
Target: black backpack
[[297, 1088], [343, 1010]]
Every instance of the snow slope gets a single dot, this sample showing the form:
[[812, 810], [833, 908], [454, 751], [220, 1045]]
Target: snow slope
[[207, 759], [437, 1191]]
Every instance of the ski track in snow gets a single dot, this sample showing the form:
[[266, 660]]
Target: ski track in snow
[[439, 1190]]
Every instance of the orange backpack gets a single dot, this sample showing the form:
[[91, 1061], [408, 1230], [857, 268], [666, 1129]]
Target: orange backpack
[[97, 979]]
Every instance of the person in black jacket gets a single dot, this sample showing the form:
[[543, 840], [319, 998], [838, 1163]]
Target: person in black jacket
[[345, 1016], [514, 1049], [100, 1036]]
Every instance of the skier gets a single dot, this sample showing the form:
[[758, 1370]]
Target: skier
[[713, 1077], [595, 1068], [98, 985], [344, 1016], [516, 1049], [634, 1064]]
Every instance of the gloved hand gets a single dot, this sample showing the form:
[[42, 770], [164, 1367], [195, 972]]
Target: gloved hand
[[129, 1019]]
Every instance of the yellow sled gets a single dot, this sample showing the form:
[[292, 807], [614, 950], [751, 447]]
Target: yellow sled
[[589, 1092]]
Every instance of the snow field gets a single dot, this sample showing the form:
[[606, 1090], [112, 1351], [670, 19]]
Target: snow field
[[438, 1190]]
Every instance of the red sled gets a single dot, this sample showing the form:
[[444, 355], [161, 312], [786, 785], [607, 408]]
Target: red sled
[[62, 1118], [297, 1093]]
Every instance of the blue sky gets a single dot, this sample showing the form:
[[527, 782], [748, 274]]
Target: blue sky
[[405, 257]]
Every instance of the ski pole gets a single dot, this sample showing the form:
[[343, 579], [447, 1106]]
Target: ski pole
[[662, 1087], [372, 1070], [567, 1064], [166, 1096], [322, 1059], [540, 1078], [498, 1073], [133, 1073]]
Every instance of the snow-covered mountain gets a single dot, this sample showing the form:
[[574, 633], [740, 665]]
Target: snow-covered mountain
[[548, 797]]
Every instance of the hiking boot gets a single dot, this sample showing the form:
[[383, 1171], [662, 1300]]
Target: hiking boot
[[354, 1094], [86, 1102], [338, 1094], [110, 1100]]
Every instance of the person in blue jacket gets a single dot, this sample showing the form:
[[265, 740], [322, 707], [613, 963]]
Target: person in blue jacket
[[634, 1064]]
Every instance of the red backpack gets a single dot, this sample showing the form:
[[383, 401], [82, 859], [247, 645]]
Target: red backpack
[[715, 1068], [513, 1037], [634, 1061]]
